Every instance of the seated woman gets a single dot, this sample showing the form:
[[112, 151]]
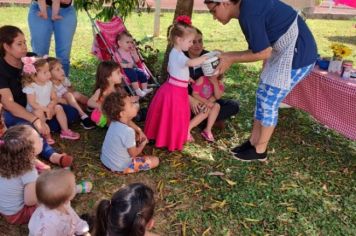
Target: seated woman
[[228, 107], [12, 48]]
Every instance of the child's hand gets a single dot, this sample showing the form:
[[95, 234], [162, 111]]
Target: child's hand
[[191, 81], [203, 108], [43, 14], [210, 105]]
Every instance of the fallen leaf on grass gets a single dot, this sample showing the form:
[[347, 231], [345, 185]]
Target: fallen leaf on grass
[[206, 231], [184, 228], [218, 204], [216, 173], [249, 204], [230, 182], [160, 187], [252, 220], [292, 209]]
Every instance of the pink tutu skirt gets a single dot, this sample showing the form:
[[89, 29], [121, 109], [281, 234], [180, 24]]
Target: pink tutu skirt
[[168, 117]]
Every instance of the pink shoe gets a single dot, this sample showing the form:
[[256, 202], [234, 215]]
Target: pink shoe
[[69, 134], [207, 136], [190, 138]]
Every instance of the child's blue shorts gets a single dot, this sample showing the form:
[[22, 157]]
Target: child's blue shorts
[[268, 98]]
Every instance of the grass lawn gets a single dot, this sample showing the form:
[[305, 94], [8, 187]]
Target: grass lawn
[[306, 188]]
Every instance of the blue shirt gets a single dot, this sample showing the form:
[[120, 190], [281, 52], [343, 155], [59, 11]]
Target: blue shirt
[[263, 22]]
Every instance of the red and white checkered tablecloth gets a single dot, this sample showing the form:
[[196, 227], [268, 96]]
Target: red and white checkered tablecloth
[[329, 99]]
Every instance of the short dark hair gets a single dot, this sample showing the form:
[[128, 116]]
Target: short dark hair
[[51, 188], [114, 104]]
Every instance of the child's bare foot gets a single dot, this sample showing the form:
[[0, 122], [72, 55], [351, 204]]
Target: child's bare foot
[[43, 14], [56, 17]]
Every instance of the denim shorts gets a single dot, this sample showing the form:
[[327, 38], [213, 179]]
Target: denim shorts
[[268, 98]]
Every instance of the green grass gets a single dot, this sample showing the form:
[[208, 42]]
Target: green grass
[[306, 188]]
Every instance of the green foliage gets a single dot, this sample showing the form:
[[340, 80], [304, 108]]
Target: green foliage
[[150, 56], [106, 9]]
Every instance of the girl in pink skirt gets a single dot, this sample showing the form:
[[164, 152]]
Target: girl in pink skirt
[[168, 115]]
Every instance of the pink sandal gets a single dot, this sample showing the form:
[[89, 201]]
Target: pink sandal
[[207, 136]]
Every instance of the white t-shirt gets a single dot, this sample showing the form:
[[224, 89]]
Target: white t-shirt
[[118, 139], [12, 192], [45, 221], [177, 65], [42, 93]]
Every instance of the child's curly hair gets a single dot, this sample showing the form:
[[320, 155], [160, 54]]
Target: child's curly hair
[[17, 152], [103, 72], [28, 78], [114, 104]]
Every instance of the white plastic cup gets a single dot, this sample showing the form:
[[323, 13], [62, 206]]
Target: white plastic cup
[[209, 66]]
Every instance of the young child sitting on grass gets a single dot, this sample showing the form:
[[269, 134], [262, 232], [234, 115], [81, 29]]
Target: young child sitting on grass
[[54, 216], [206, 90], [120, 152], [18, 150], [64, 95], [108, 80]]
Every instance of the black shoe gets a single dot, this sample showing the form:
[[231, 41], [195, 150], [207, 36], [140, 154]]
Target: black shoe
[[246, 145], [87, 123], [250, 154]]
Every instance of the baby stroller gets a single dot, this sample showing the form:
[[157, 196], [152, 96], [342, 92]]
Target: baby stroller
[[104, 46]]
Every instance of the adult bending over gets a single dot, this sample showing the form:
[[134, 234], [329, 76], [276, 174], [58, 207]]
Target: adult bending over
[[276, 34]]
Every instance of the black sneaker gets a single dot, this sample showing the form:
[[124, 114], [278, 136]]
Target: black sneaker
[[246, 145], [87, 123], [250, 154]]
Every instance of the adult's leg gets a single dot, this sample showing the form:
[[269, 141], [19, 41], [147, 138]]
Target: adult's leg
[[268, 125], [64, 30], [40, 29]]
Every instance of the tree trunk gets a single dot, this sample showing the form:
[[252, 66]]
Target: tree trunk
[[183, 7]]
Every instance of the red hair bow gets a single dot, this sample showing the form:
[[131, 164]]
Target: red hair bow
[[184, 19]]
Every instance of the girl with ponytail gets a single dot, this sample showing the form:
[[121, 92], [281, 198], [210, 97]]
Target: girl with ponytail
[[168, 115], [128, 213]]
